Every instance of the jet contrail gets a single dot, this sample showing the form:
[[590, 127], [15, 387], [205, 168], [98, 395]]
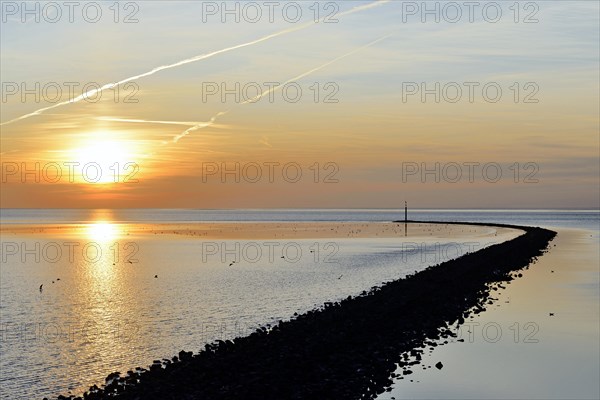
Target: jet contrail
[[93, 92], [193, 126], [145, 121], [270, 90], [273, 89], [199, 126]]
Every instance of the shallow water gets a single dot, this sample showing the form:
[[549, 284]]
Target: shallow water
[[516, 349], [589, 219], [108, 312], [125, 299]]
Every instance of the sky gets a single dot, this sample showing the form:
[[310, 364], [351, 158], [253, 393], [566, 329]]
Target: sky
[[353, 104]]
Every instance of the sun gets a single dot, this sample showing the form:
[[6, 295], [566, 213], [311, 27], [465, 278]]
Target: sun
[[104, 161]]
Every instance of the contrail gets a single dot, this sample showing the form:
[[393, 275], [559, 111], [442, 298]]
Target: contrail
[[199, 126], [270, 90], [193, 126], [93, 92], [145, 121], [273, 89]]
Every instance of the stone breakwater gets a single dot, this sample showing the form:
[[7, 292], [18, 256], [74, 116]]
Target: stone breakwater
[[345, 350]]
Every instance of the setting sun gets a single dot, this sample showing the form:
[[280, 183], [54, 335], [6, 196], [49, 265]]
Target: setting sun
[[104, 161]]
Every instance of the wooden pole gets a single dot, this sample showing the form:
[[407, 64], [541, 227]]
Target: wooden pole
[[405, 218]]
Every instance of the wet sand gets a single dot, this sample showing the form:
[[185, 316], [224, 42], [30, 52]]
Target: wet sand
[[278, 230], [348, 349]]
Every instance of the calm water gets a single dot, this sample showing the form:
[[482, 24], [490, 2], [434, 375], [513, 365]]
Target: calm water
[[587, 219], [108, 312]]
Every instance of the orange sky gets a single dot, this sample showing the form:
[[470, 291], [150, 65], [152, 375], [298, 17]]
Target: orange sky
[[346, 120]]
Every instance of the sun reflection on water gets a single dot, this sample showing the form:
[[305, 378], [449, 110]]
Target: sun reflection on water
[[102, 231], [105, 293]]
